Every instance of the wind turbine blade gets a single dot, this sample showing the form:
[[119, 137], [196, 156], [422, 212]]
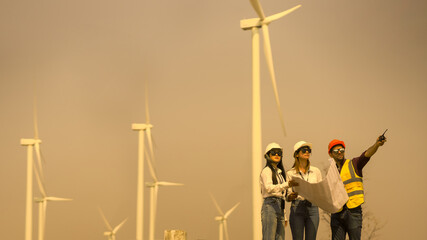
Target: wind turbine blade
[[105, 220], [169, 184], [39, 158], [151, 168], [258, 9], [147, 111], [148, 130], [57, 199], [276, 16], [119, 226], [150, 141], [231, 210], [269, 59], [36, 133], [217, 206], [226, 230], [39, 182], [36, 129]]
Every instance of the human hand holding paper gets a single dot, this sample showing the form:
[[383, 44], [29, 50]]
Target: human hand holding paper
[[328, 194]]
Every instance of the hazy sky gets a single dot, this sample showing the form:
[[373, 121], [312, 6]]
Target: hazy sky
[[345, 69]]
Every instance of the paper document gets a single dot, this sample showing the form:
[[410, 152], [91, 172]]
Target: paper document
[[329, 194]]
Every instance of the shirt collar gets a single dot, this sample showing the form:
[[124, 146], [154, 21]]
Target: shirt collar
[[309, 170]]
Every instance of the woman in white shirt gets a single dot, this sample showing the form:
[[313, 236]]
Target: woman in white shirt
[[304, 216], [273, 189]]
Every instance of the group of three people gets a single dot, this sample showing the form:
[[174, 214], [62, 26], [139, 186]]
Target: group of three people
[[277, 186]]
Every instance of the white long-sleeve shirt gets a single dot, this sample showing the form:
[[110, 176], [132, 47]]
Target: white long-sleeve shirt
[[268, 189], [312, 175]]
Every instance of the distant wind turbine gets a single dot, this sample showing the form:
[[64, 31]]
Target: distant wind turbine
[[111, 233], [255, 24], [32, 144], [154, 189], [43, 205], [223, 219], [142, 128]]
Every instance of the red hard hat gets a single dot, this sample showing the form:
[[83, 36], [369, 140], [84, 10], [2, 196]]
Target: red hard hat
[[333, 143]]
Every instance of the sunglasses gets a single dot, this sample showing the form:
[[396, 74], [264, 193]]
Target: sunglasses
[[276, 152], [341, 150], [306, 149]]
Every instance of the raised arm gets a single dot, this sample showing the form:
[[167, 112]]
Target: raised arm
[[373, 149]]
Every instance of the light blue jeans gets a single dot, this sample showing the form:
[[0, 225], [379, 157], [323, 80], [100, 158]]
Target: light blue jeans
[[273, 219], [304, 218]]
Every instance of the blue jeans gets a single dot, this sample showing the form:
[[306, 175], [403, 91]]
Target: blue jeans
[[304, 218], [347, 221], [273, 219]]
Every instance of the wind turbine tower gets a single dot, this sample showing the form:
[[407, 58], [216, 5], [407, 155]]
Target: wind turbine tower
[[42, 202], [29, 143], [254, 24], [154, 190], [142, 128]]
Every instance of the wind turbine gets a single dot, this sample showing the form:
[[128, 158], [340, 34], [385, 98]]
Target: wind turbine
[[254, 24], [154, 189], [142, 128], [223, 219], [42, 202], [31, 144], [111, 233]]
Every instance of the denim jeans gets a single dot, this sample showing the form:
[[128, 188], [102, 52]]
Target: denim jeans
[[347, 221], [273, 219], [304, 218]]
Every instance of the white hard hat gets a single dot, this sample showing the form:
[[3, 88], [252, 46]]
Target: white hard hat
[[300, 144], [271, 146]]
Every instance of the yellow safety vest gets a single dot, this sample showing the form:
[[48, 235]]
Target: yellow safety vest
[[353, 185]]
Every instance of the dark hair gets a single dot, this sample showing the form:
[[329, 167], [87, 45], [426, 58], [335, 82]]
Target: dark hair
[[279, 166]]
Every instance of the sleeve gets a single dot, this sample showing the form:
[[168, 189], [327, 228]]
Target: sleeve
[[268, 185], [288, 190], [359, 163]]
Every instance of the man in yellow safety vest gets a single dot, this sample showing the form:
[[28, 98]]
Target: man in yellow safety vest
[[349, 219]]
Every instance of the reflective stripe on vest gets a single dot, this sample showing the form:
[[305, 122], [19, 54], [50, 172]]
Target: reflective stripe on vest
[[353, 185], [353, 180]]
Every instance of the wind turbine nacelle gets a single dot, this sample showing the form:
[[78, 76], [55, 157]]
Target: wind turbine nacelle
[[247, 24], [140, 126], [107, 233], [219, 218], [149, 184], [26, 141]]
